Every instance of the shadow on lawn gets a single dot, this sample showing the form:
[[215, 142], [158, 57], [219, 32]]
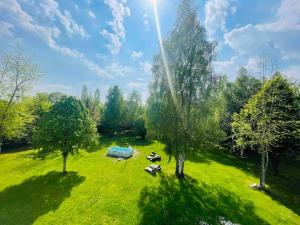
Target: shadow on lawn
[[283, 188], [221, 155], [36, 196], [176, 202]]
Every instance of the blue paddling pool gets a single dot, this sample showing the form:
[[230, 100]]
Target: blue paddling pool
[[117, 152]]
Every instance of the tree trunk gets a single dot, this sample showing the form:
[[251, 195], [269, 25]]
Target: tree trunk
[[262, 175], [264, 165], [65, 163], [180, 165], [0, 147]]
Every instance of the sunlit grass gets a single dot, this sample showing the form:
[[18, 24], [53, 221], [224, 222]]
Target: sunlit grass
[[102, 190]]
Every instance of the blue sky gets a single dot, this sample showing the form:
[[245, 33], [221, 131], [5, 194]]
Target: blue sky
[[101, 43]]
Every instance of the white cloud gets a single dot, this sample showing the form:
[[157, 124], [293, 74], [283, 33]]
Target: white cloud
[[48, 34], [233, 9], [252, 40], [279, 38], [292, 72], [225, 66], [114, 44], [136, 55], [146, 67], [116, 69], [134, 84], [216, 12], [146, 22], [287, 17], [52, 11], [6, 29], [92, 15], [254, 65], [119, 11]]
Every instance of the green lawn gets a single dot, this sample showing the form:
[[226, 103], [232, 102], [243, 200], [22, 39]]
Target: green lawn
[[102, 190]]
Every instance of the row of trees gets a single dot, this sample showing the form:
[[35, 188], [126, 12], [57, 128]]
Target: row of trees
[[117, 115], [189, 108], [55, 121], [192, 106]]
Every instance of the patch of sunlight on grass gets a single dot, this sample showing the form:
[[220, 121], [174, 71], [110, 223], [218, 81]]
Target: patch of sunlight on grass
[[103, 190]]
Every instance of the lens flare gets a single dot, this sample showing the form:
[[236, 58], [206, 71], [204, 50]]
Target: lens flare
[[164, 57]]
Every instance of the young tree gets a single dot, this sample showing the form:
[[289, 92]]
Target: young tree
[[86, 99], [92, 103], [17, 73], [175, 97], [66, 127], [96, 108], [114, 110], [133, 109], [266, 120]]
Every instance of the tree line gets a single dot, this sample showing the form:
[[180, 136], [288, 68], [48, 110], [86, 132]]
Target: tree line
[[192, 107], [189, 109]]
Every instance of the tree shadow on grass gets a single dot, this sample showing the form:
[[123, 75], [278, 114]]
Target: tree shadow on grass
[[285, 192], [36, 196], [184, 202], [218, 154], [284, 188]]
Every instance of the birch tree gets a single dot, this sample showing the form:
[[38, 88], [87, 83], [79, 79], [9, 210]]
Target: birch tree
[[175, 98], [266, 120], [17, 74]]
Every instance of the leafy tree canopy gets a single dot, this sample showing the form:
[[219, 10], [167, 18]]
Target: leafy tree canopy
[[67, 127]]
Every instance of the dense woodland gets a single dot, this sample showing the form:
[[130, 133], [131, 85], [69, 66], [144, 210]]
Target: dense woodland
[[188, 109]]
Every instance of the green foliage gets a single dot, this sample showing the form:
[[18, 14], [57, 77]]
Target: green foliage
[[269, 117], [17, 73], [92, 103], [17, 117], [133, 109], [179, 101], [67, 127], [114, 110], [96, 107], [39, 105], [237, 94], [139, 127]]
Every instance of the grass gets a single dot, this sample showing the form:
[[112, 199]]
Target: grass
[[103, 190]]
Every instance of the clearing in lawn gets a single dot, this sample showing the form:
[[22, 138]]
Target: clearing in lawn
[[103, 190]]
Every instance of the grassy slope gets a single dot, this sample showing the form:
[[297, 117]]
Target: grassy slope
[[102, 190]]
